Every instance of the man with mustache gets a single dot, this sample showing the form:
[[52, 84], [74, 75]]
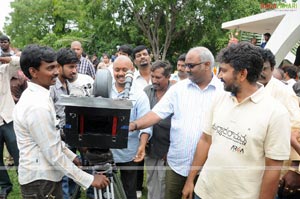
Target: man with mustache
[[142, 78], [67, 70], [158, 145], [142, 60], [245, 137], [44, 158], [188, 101], [181, 73], [287, 97], [127, 159]]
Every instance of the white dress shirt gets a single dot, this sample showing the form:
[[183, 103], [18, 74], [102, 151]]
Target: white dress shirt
[[43, 156], [189, 104], [7, 104]]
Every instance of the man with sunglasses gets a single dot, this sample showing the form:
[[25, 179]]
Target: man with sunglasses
[[188, 101]]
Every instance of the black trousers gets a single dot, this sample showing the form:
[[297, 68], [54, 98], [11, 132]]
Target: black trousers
[[42, 189], [128, 172], [7, 136]]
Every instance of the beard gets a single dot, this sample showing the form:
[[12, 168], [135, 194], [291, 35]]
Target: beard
[[231, 87], [182, 74], [234, 89]]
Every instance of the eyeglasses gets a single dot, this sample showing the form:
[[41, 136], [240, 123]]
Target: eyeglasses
[[190, 66]]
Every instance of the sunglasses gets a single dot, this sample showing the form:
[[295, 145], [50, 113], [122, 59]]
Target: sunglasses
[[190, 66]]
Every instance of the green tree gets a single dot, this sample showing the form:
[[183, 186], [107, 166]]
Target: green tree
[[168, 27], [36, 20]]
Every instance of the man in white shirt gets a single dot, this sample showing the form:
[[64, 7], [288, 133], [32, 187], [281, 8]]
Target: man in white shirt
[[290, 75], [181, 73], [142, 59], [44, 158], [188, 100], [142, 78], [7, 134], [290, 182]]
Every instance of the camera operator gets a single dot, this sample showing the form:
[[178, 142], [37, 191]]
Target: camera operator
[[44, 158]]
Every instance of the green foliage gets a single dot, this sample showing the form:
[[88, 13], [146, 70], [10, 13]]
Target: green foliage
[[168, 27]]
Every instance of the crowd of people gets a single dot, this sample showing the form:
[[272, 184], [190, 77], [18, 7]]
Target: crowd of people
[[233, 134]]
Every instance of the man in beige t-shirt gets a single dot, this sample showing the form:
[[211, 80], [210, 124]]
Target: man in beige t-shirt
[[246, 136]]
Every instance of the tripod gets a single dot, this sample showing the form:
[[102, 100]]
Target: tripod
[[114, 190]]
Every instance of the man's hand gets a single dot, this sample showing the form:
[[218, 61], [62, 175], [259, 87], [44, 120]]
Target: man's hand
[[290, 184], [5, 60], [140, 155], [295, 138], [100, 181], [77, 161], [188, 189]]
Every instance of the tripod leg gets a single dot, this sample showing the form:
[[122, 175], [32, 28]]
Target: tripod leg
[[100, 193], [107, 192], [95, 193], [119, 190], [112, 187]]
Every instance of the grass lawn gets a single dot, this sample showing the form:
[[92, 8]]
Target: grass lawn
[[15, 194]]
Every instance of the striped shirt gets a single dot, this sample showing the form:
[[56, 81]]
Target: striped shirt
[[188, 103], [43, 156]]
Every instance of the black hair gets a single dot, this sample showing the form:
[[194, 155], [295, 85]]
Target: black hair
[[4, 37], [297, 59], [182, 57], [33, 55], [291, 71], [105, 54], [162, 64], [66, 56], [267, 55], [267, 34], [126, 49], [138, 49], [242, 56]]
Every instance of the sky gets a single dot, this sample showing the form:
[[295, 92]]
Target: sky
[[4, 12]]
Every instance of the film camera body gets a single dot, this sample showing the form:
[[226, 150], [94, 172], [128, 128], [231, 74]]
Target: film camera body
[[97, 121]]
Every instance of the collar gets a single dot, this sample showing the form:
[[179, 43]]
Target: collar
[[37, 88], [256, 97], [214, 83], [59, 85]]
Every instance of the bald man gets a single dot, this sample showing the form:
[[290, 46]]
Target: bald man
[[84, 66], [137, 139]]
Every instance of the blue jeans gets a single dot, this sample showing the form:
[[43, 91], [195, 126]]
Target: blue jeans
[[41, 189], [65, 187], [7, 136], [196, 197]]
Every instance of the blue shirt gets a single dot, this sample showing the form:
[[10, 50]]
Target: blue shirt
[[140, 107], [189, 104]]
